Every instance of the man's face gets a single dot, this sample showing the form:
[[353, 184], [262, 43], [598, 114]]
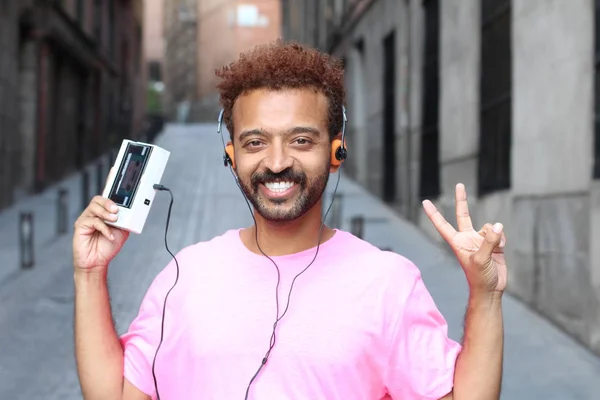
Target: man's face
[[282, 150]]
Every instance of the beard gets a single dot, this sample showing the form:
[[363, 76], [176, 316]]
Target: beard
[[308, 194]]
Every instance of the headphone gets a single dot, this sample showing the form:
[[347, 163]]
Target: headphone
[[338, 146]]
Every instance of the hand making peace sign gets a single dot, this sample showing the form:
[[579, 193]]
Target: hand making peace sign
[[480, 253]]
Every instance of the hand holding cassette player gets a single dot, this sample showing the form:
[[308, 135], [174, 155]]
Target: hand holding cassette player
[[106, 223], [95, 243]]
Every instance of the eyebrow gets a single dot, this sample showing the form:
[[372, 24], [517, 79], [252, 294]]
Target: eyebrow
[[293, 131]]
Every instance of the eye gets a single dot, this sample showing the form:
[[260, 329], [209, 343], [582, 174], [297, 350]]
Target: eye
[[253, 143], [303, 141]]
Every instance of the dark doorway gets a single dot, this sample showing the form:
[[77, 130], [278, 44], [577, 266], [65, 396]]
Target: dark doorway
[[389, 118], [495, 135], [430, 165], [596, 172]]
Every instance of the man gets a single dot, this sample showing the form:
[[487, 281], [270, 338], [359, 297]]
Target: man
[[351, 321]]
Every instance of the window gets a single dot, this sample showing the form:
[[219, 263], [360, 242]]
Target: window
[[596, 173], [80, 11], [154, 71], [112, 26], [98, 14], [430, 165], [495, 91]]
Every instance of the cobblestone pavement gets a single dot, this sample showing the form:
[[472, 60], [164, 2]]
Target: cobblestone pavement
[[37, 362]]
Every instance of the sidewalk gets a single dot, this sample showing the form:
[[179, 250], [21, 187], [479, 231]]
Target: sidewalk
[[45, 218], [541, 362]]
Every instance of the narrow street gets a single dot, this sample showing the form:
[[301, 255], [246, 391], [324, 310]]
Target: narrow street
[[37, 356]]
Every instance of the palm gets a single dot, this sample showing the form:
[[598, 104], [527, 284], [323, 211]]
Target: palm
[[483, 261], [97, 249], [466, 244]]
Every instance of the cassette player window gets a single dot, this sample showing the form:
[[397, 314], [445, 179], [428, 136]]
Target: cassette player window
[[130, 173]]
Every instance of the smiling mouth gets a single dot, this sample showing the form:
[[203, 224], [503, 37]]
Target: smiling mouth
[[279, 187]]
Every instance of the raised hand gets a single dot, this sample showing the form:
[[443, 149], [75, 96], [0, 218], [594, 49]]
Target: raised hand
[[480, 253], [95, 243]]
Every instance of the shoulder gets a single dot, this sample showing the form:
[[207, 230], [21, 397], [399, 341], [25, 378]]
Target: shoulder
[[209, 247], [190, 257], [397, 271], [365, 252]]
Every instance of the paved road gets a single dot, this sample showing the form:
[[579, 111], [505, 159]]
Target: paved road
[[36, 358]]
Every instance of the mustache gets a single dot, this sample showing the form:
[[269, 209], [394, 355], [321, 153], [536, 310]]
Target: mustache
[[288, 175]]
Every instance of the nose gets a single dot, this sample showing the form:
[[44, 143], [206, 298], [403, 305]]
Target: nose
[[278, 159]]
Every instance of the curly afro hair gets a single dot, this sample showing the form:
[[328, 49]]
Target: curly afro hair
[[284, 65]]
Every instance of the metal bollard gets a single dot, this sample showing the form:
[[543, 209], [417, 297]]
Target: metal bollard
[[99, 177], [357, 226], [61, 211], [26, 240], [85, 188]]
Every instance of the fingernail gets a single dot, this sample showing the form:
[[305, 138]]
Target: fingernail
[[502, 243], [114, 208], [112, 237], [497, 227]]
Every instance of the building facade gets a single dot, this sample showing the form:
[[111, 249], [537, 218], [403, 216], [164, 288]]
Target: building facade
[[203, 35], [500, 95], [181, 53], [154, 45], [240, 25], [70, 87]]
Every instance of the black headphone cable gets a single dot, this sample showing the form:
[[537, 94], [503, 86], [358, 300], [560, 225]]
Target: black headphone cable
[[162, 324], [278, 318]]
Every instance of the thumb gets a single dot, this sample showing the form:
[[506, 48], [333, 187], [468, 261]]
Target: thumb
[[493, 237]]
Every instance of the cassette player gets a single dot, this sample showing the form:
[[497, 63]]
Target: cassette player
[[137, 168]]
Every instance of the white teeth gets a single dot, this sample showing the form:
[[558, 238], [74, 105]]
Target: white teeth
[[279, 186]]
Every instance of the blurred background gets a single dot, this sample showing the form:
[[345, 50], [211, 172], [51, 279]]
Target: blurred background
[[502, 95]]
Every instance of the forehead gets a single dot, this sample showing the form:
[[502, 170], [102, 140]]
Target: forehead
[[279, 110]]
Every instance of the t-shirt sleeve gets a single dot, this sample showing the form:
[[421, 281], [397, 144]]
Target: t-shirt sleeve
[[422, 356], [142, 338]]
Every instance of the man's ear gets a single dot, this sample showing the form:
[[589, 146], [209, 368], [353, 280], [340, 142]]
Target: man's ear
[[230, 153], [335, 164]]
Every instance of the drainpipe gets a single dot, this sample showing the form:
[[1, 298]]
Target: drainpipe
[[408, 151], [41, 111]]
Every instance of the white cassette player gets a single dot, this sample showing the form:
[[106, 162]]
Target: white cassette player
[[137, 168]]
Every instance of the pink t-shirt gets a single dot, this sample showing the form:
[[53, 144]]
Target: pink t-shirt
[[360, 326]]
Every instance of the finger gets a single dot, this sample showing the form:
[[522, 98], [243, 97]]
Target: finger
[[488, 228], [490, 243], [443, 227], [96, 210], [105, 203], [91, 224], [463, 218]]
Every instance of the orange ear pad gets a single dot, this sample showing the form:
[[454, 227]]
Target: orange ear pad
[[229, 151], [335, 144]]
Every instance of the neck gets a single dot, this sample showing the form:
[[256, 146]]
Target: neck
[[283, 238]]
